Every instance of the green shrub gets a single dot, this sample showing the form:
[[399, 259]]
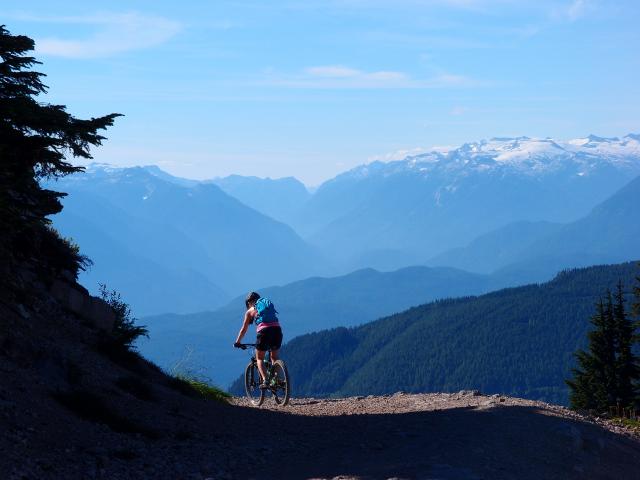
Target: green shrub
[[125, 331], [62, 253]]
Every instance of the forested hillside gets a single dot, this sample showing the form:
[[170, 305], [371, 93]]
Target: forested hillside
[[517, 341]]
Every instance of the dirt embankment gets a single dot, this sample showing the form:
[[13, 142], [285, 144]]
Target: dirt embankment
[[69, 409]]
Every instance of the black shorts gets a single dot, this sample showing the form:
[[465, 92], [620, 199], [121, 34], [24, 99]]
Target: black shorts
[[269, 338]]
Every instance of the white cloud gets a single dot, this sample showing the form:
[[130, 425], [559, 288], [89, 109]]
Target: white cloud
[[340, 76], [576, 9], [573, 10], [459, 110], [333, 71], [458, 4], [341, 72], [112, 33]]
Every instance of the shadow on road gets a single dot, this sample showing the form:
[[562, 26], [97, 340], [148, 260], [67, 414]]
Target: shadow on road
[[463, 443]]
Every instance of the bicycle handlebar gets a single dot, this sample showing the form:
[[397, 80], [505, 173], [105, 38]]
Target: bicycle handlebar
[[244, 346]]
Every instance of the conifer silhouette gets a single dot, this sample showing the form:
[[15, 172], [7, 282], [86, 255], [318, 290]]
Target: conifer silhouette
[[35, 140], [608, 372]]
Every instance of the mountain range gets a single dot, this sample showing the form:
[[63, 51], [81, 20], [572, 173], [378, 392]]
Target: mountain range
[[609, 233], [509, 206], [419, 207], [172, 246], [278, 198], [519, 253]]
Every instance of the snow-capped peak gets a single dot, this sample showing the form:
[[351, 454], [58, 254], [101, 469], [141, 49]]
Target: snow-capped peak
[[524, 155]]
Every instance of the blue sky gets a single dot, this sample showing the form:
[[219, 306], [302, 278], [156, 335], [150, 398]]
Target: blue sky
[[312, 88]]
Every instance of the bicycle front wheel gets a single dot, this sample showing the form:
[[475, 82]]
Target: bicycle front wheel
[[280, 384], [252, 384]]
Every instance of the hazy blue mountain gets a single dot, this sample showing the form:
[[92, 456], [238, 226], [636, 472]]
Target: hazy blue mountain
[[278, 198], [197, 229], [433, 202], [611, 229], [304, 306], [535, 251], [154, 276], [517, 341], [385, 260], [158, 172], [544, 267], [496, 249]]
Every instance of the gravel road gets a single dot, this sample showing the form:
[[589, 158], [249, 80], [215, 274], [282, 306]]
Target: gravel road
[[463, 435]]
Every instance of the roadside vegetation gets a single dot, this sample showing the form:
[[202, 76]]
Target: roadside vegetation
[[188, 379], [607, 375], [125, 331]]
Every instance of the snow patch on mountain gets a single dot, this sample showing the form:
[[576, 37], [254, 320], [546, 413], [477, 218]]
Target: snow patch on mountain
[[521, 155]]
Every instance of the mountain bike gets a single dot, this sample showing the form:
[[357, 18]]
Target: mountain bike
[[277, 379]]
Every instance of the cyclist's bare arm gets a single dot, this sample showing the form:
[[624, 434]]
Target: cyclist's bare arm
[[248, 319]]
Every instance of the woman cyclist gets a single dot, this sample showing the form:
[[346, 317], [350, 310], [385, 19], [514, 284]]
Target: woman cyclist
[[269, 333]]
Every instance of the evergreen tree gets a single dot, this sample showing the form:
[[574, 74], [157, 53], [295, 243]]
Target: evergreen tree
[[627, 363], [35, 140], [594, 382], [635, 311], [608, 373]]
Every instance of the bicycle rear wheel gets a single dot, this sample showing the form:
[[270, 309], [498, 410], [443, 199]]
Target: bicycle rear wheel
[[252, 384], [280, 385]]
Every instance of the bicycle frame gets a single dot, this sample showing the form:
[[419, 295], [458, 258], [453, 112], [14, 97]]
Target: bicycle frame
[[277, 384], [266, 362]]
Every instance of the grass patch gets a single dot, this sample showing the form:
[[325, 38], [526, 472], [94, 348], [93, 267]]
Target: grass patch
[[204, 389], [197, 388], [190, 381], [632, 423]]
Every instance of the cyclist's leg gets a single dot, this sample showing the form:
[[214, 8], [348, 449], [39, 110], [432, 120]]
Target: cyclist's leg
[[277, 342], [260, 361]]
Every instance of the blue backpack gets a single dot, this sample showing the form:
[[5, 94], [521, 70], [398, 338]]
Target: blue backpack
[[267, 312]]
